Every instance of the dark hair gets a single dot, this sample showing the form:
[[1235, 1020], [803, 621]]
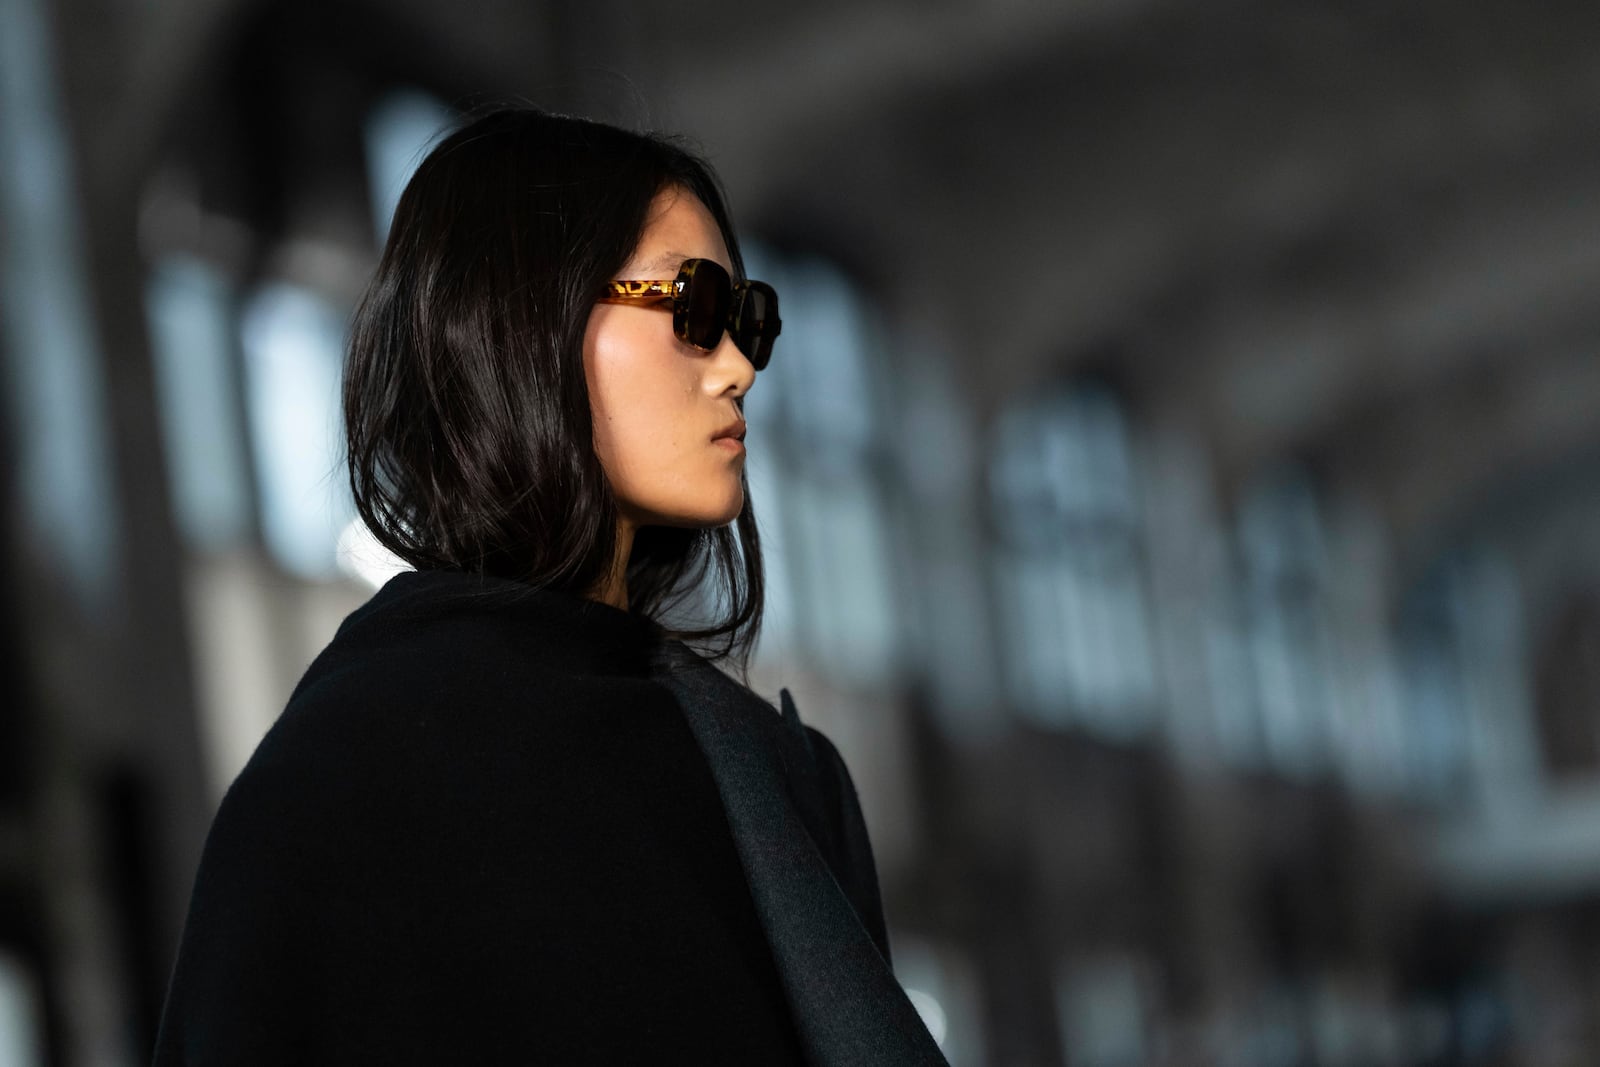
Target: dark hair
[[468, 430]]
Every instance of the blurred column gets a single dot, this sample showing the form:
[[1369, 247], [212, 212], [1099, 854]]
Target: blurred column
[[113, 801]]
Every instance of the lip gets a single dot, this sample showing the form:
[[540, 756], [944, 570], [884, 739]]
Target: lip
[[732, 432], [732, 444]]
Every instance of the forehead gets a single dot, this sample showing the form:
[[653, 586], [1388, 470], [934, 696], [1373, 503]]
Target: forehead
[[678, 227]]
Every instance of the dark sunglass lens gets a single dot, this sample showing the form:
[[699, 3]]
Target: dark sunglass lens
[[702, 309], [757, 323]]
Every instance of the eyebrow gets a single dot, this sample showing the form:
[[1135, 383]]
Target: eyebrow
[[666, 259]]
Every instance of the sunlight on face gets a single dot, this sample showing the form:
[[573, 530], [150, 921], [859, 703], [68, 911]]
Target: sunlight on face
[[657, 401]]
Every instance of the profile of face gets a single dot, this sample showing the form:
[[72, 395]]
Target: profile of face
[[658, 402]]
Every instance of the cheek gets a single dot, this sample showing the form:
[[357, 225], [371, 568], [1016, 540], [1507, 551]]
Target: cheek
[[637, 385]]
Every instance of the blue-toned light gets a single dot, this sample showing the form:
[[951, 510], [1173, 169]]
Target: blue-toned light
[[293, 346]]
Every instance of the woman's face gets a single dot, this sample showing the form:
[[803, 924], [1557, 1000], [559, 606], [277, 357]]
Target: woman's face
[[659, 401]]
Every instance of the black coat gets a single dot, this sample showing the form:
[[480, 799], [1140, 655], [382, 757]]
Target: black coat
[[496, 825]]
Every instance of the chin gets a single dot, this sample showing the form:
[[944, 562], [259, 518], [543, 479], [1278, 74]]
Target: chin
[[706, 515], [721, 517]]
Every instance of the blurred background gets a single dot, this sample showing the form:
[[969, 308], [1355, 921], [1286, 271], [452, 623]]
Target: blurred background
[[1180, 473]]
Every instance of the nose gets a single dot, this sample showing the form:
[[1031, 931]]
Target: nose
[[730, 368]]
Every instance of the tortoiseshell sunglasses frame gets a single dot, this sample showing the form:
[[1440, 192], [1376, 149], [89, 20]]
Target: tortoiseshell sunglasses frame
[[661, 290]]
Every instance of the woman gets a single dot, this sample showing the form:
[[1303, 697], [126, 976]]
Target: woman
[[508, 816]]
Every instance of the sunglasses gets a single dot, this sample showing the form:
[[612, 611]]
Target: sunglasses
[[705, 303]]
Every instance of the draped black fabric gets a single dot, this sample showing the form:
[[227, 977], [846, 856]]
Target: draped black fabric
[[799, 833], [503, 825], [480, 832]]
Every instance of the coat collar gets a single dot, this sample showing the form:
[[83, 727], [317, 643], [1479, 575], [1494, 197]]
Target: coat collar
[[847, 1004]]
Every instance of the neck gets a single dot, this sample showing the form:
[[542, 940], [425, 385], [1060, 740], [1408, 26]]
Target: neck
[[613, 589]]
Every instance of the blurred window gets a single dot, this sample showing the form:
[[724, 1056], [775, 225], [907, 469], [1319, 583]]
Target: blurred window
[[942, 982], [397, 134], [948, 620], [1462, 671], [1070, 563], [1230, 671], [819, 474], [293, 343], [52, 363], [1206, 684], [21, 1014], [1108, 1010], [191, 308], [1365, 731], [1271, 1033], [1568, 681], [1284, 573]]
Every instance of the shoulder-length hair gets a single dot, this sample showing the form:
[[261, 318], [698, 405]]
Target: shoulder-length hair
[[468, 431]]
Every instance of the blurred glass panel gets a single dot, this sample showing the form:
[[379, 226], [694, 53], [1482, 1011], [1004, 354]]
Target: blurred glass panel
[[193, 342], [780, 623], [397, 135], [1568, 684], [1204, 670], [1071, 563], [819, 489], [841, 562], [942, 982], [1038, 672], [821, 385], [21, 1015], [1366, 696], [293, 346], [1464, 674], [47, 323], [1436, 708], [1270, 1032], [1284, 571], [1233, 693], [1108, 1011], [948, 614]]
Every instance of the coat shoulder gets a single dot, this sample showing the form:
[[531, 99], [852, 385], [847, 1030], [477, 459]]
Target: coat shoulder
[[858, 873], [407, 731]]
